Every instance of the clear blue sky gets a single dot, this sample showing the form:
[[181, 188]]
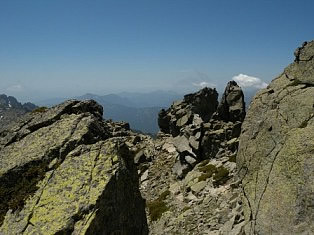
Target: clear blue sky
[[70, 47]]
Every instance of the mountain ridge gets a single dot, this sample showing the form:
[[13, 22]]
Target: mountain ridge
[[11, 110]]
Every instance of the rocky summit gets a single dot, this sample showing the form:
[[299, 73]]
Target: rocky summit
[[276, 153], [66, 171], [213, 169]]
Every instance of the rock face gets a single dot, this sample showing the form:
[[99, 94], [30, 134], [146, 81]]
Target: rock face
[[188, 177], [11, 110], [232, 106], [203, 103], [66, 171], [276, 152], [201, 128]]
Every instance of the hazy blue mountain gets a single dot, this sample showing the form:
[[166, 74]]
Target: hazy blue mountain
[[119, 109], [143, 119], [110, 99], [51, 102], [151, 99], [11, 109], [138, 109]]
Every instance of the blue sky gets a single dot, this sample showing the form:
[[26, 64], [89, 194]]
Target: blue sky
[[65, 48]]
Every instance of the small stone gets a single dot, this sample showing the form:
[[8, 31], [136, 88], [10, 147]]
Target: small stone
[[169, 147], [139, 157], [182, 144], [183, 121], [199, 186], [197, 121], [175, 188], [192, 161], [144, 176], [194, 143]]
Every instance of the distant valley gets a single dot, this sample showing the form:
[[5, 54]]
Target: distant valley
[[140, 110]]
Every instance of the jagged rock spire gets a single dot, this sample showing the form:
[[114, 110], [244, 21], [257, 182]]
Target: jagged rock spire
[[232, 106]]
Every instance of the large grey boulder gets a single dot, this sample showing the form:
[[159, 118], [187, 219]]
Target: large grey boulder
[[66, 171], [276, 152]]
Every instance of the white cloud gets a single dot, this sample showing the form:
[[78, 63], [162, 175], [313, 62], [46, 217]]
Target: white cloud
[[191, 80], [246, 81], [15, 88], [203, 84]]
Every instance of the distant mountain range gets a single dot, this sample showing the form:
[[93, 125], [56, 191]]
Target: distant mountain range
[[121, 109], [11, 109], [140, 110]]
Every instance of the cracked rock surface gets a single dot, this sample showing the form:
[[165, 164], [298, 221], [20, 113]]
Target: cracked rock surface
[[276, 152], [66, 171]]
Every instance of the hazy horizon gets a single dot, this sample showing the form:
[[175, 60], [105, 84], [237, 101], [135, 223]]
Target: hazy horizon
[[69, 48]]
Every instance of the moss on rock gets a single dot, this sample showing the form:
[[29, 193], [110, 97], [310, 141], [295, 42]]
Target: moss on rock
[[157, 207], [207, 172], [61, 174], [221, 176], [40, 110], [14, 193]]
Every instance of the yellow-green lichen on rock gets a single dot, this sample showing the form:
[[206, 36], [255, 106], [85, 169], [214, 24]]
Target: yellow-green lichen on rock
[[276, 152], [63, 172], [71, 190]]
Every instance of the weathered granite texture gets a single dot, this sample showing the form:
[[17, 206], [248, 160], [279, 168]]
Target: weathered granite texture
[[276, 152], [65, 171]]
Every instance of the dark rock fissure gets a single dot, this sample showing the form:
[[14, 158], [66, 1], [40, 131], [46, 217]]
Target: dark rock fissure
[[122, 190]]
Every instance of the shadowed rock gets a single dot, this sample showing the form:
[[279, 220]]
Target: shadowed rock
[[66, 171], [232, 106]]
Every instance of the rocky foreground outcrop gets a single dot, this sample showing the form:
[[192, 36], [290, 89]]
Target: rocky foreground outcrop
[[65, 171], [187, 174], [276, 153]]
